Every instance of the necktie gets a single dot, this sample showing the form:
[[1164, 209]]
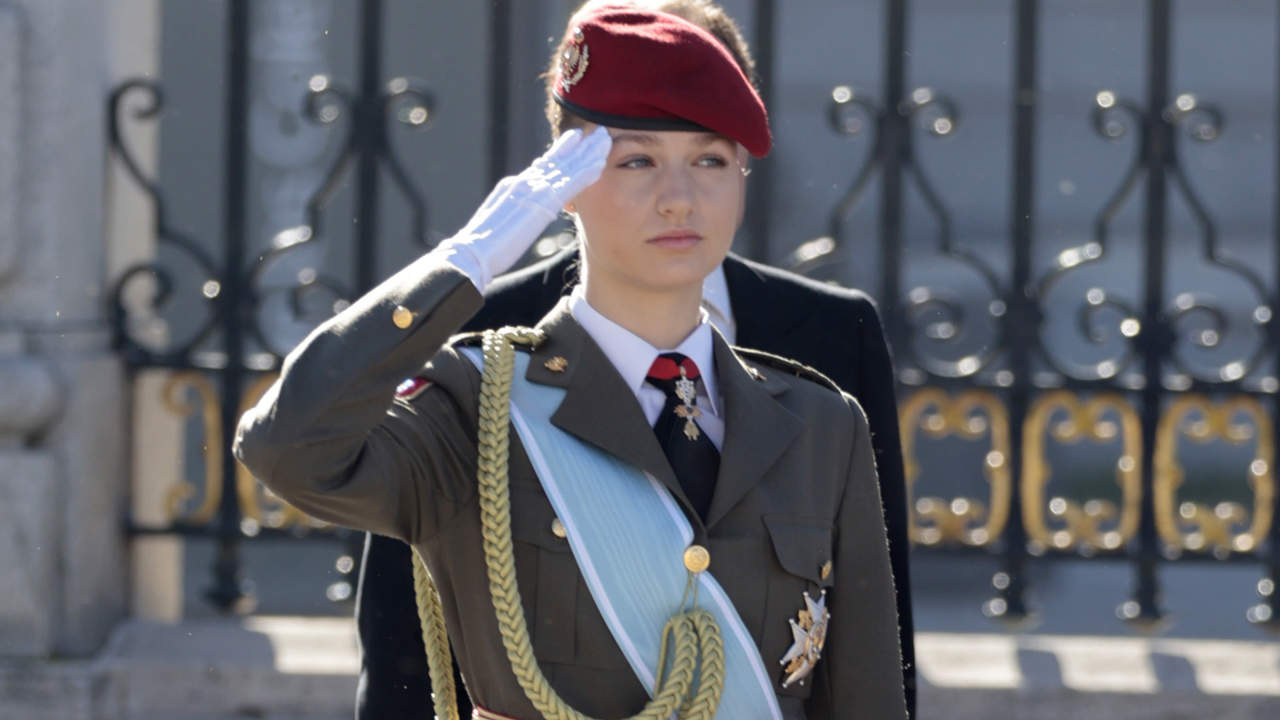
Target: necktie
[[691, 453]]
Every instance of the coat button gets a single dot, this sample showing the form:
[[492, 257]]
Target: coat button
[[697, 559], [402, 317], [557, 528]]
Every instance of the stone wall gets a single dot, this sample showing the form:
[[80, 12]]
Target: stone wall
[[61, 402]]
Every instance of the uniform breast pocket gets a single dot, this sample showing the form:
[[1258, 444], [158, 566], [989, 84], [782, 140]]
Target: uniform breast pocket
[[802, 546], [547, 575]]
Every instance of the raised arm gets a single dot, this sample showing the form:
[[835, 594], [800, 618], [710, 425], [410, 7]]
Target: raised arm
[[329, 437]]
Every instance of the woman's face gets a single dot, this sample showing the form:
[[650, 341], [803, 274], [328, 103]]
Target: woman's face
[[665, 209]]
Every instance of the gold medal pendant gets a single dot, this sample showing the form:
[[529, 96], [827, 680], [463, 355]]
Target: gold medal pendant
[[808, 636], [689, 412]]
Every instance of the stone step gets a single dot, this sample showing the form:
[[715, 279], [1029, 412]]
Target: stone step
[[259, 667], [290, 668]]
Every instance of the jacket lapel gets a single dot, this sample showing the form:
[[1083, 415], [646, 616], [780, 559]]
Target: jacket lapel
[[758, 429], [589, 410]]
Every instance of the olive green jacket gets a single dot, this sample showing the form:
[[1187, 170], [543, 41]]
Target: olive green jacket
[[332, 437]]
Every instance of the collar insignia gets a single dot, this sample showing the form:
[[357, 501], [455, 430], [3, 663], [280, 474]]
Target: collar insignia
[[412, 388]]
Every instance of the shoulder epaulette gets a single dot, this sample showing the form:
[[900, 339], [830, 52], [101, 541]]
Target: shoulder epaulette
[[525, 337], [467, 338], [788, 366]]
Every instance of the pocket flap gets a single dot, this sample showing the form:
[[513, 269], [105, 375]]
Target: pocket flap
[[532, 518], [802, 544]]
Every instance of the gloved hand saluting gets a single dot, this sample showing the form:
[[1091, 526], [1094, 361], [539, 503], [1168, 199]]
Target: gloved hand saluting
[[520, 207]]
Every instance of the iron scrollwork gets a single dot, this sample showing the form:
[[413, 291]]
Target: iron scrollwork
[[145, 340], [936, 315], [365, 136], [1113, 118]]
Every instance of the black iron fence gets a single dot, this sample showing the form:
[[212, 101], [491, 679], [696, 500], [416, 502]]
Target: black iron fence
[[1153, 380]]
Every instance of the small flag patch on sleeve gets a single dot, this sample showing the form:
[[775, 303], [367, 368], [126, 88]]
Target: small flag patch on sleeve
[[412, 388]]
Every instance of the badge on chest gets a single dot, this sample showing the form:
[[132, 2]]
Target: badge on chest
[[808, 634]]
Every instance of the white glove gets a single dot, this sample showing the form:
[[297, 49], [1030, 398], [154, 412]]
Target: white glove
[[520, 207]]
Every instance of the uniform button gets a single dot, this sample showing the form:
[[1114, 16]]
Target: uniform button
[[696, 559], [402, 317], [557, 528], [826, 570]]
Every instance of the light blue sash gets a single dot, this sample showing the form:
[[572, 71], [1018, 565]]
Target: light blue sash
[[628, 537]]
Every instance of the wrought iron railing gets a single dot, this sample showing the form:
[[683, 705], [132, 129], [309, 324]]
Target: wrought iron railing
[[1135, 402]]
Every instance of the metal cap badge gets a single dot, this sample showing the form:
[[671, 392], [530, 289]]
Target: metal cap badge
[[574, 61]]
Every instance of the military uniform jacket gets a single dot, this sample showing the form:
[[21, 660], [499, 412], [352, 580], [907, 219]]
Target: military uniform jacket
[[793, 493]]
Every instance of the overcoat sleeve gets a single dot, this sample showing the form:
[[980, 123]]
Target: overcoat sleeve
[[330, 436], [852, 680]]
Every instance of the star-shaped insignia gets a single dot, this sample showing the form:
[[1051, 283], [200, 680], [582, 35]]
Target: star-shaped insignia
[[808, 636]]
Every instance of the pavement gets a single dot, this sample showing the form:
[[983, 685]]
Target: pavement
[[286, 667]]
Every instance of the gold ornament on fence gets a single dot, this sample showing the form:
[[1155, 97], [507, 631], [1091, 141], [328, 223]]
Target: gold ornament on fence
[[1094, 524], [1226, 526], [259, 507], [175, 401], [969, 415]]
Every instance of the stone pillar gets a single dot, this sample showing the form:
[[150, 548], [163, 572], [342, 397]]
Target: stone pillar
[[157, 443], [61, 403]]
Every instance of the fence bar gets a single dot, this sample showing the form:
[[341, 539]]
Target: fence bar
[[1270, 591], [895, 150], [371, 138], [760, 189], [499, 88], [1022, 325], [1156, 155], [226, 593]]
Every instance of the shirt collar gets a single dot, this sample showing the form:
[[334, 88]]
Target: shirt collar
[[715, 299], [632, 356]]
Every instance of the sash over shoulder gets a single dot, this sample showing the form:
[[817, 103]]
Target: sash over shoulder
[[629, 539]]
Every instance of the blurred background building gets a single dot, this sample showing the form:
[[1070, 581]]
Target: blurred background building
[[1067, 210]]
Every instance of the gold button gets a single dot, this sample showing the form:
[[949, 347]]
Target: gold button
[[402, 317], [826, 570], [557, 528], [697, 559]]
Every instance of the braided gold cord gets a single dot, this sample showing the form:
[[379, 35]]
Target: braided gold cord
[[435, 637], [693, 634]]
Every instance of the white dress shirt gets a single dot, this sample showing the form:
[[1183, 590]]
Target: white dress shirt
[[632, 357], [715, 300]]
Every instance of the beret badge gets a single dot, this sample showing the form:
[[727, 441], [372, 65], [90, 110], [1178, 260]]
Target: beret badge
[[574, 60]]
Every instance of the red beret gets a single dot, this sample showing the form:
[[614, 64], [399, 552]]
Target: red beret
[[643, 70]]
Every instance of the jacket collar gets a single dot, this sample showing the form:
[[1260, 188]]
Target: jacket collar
[[758, 429], [589, 379]]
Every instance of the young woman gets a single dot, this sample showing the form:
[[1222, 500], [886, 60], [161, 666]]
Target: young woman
[[668, 504]]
